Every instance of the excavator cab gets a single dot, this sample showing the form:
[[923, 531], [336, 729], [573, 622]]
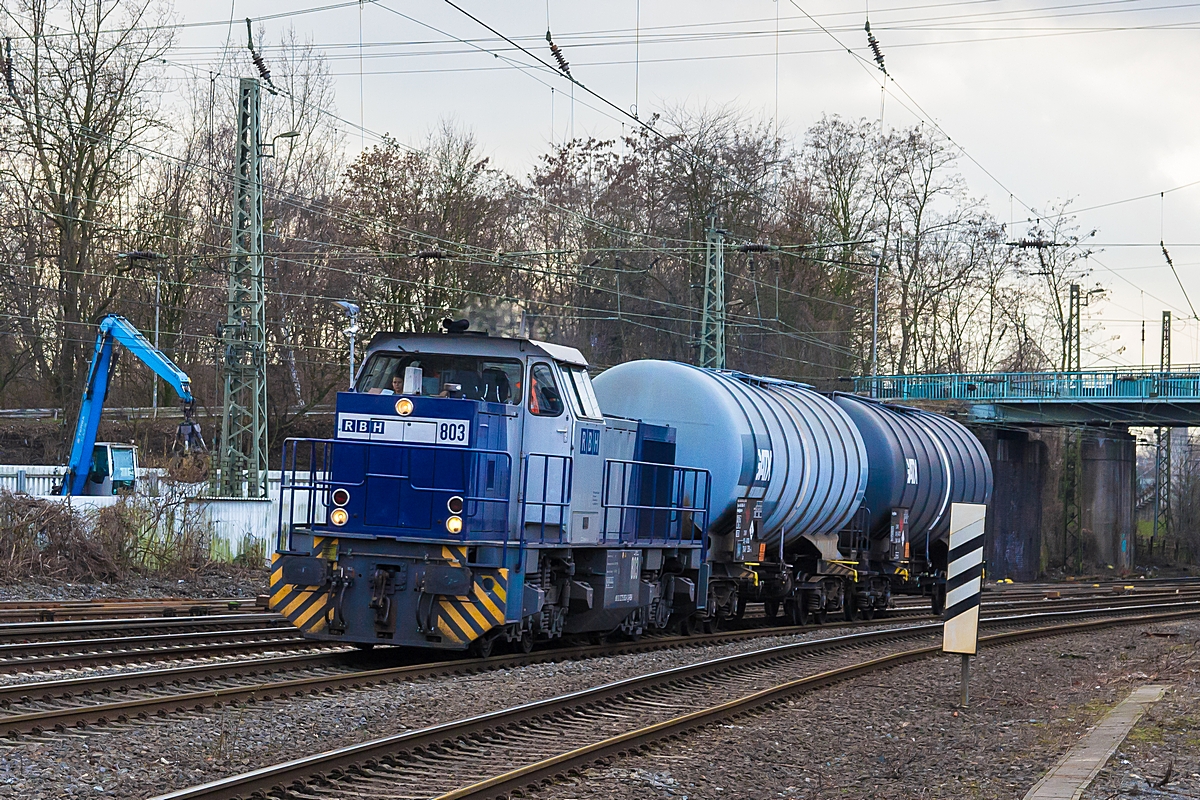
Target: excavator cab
[[113, 470]]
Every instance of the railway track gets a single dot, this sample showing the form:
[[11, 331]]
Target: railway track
[[54, 646], [510, 750], [48, 611], [37, 707]]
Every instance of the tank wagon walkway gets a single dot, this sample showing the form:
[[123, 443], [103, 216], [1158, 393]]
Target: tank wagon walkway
[[1126, 396]]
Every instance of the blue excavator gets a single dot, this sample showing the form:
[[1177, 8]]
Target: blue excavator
[[107, 468]]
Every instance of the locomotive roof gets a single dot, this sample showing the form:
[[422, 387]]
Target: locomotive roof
[[473, 344]]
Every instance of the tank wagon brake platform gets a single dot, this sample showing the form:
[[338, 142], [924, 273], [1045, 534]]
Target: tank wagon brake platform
[[480, 490]]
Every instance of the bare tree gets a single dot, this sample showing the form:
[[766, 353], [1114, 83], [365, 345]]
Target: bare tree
[[83, 101]]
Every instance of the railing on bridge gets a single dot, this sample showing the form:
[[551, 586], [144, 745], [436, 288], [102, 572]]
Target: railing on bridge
[[1124, 384]]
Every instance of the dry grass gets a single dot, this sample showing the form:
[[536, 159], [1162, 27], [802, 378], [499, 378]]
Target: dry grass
[[150, 537]]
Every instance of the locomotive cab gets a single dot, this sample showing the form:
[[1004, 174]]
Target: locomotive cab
[[474, 492]]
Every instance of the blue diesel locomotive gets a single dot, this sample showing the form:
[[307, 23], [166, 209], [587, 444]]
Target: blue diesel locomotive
[[475, 493]]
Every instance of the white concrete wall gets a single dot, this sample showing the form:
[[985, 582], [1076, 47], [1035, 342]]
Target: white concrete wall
[[236, 525]]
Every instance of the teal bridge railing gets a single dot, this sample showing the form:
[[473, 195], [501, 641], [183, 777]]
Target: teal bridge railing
[[1086, 386]]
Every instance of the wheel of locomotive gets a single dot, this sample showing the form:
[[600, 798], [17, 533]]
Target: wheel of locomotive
[[740, 609], [687, 625], [597, 638], [484, 645], [525, 643], [771, 611]]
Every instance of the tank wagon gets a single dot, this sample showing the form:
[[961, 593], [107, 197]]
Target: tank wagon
[[820, 503], [479, 490]]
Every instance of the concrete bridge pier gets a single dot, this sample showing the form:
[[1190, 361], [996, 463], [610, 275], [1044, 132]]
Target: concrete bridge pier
[[1024, 523], [1020, 465], [1108, 497]]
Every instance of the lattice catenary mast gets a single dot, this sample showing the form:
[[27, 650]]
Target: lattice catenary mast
[[242, 458]]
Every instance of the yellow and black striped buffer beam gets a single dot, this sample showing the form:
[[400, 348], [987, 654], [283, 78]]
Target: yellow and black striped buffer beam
[[464, 618], [306, 607]]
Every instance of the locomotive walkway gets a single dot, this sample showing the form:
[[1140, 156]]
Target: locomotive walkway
[[1125, 396]]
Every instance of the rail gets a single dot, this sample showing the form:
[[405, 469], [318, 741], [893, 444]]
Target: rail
[[1125, 384]]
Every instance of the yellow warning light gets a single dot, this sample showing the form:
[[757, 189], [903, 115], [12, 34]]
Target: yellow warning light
[[404, 406], [454, 524], [339, 516]]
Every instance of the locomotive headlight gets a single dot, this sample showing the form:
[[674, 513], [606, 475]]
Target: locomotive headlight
[[454, 505], [454, 524], [339, 516], [404, 406], [340, 497]]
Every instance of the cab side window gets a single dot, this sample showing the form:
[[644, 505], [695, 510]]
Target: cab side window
[[545, 399]]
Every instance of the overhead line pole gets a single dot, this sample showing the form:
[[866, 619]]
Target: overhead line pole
[[712, 322], [1162, 453], [241, 465]]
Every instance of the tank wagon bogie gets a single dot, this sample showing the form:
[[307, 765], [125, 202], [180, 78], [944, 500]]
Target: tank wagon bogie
[[479, 490]]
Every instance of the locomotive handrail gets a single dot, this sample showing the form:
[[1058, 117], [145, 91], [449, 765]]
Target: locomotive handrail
[[564, 493], [318, 483], [675, 511]]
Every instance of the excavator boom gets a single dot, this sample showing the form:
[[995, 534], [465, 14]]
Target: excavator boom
[[113, 328]]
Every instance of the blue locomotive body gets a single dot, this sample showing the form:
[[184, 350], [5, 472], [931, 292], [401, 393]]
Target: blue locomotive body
[[473, 492]]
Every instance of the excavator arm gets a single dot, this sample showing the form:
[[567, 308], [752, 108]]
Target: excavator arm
[[113, 328]]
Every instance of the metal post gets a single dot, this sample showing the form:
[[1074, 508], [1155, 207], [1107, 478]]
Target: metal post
[[1074, 361], [966, 679], [875, 330], [1162, 451], [157, 292], [712, 323], [242, 461], [1072, 469]]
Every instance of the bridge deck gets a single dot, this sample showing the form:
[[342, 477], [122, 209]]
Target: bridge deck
[[1127, 396]]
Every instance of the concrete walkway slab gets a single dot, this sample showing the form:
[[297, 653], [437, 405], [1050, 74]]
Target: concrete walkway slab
[[1084, 761]]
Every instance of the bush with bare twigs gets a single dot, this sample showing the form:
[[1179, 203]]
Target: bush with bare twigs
[[161, 536]]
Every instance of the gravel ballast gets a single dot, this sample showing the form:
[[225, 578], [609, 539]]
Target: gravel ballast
[[140, 759], [895, 734], [898, 733]]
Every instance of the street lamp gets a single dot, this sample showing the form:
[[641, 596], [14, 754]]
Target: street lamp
[[351, 331], [265, 153], [149, 255]]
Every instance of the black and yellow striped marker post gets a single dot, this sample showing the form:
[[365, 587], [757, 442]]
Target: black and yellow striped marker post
[[964, 583]]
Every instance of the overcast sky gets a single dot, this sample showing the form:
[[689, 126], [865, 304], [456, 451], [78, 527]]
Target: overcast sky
[[1057, 99]]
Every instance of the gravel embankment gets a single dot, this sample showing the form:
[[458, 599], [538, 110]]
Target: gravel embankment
[[898, 734], [1161, 756], [224, 583], [145, 758]]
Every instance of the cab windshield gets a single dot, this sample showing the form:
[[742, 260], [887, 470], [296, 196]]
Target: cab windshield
[[496, 380]]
